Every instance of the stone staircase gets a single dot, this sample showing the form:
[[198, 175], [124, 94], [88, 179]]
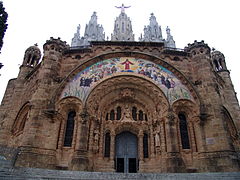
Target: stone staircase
[[7, 172]]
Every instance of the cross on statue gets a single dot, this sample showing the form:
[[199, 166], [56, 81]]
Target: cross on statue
[[123, 8]]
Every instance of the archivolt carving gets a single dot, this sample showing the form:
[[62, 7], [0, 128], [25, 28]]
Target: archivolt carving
[[67, 104], [188, 107], [118, 83], [21, 119]]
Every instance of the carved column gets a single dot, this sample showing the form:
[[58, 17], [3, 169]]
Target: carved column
[[151, 143], [192, 136], [199, 132], [80, 160], [112, 149], [140, 145], [112, 145], [171, 133], [174, 161], [102, 139], [75, 133], [163, 137]]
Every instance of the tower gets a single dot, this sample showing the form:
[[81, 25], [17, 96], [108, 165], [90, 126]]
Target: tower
[[31, 59]]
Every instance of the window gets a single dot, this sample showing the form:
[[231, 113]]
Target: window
[[145, 145], [107, 145], [134, 113], [107, 116], [119, 113], [183, 131], [112, 115], [69, 129], [140, 116], [21, 119]]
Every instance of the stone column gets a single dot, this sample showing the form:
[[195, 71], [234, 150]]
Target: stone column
[[171, 133], [140, 150], [112, 145], [199, 132], [101, 140], [80, 160], [78, 127], [163, 137], [192, 136], [140, 145], [174, 161], [112, 149]]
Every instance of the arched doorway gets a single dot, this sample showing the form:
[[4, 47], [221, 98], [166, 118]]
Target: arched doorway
[[126, 150]]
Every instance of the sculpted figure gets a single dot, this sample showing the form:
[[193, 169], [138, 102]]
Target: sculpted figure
[[157, 139]]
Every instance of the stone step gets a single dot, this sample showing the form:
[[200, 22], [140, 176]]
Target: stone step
[[35, 173]]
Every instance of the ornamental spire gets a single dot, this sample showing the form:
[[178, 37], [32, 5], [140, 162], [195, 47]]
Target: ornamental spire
[[152, 32], [93, 32]]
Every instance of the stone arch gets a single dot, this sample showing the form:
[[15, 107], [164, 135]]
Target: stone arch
[[230, 128], [191, 109], [130, 127], [154, 59], [21, 118], [69, 103], [63, 107], [191, 112], [127, 87]]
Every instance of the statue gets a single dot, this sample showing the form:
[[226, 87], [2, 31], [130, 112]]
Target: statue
[[95, 140], [157, 139], [96, 136], [123, 8], [127, 114]]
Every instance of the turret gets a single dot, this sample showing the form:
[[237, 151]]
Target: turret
[[219, 66], [53, 51], [31, 59], [32, 56], [218, 61], [197, 49]]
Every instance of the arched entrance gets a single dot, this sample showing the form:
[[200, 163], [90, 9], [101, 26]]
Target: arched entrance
[[126, 150]]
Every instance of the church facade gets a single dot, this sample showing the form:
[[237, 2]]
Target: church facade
[[122, 105]]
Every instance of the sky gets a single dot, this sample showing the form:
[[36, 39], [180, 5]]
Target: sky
[[35, 21]]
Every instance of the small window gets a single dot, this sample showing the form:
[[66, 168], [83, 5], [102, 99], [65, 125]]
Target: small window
[[176, 59], [119, 111], [216, 64], [134, 113], [77, 57], [107, 116], [112, 114], [29, 59], [184, 131], [69, 129], [140, 115], [107, 145], [145, 145]]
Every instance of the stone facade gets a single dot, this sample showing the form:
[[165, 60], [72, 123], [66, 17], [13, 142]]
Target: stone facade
[[78, 108]]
